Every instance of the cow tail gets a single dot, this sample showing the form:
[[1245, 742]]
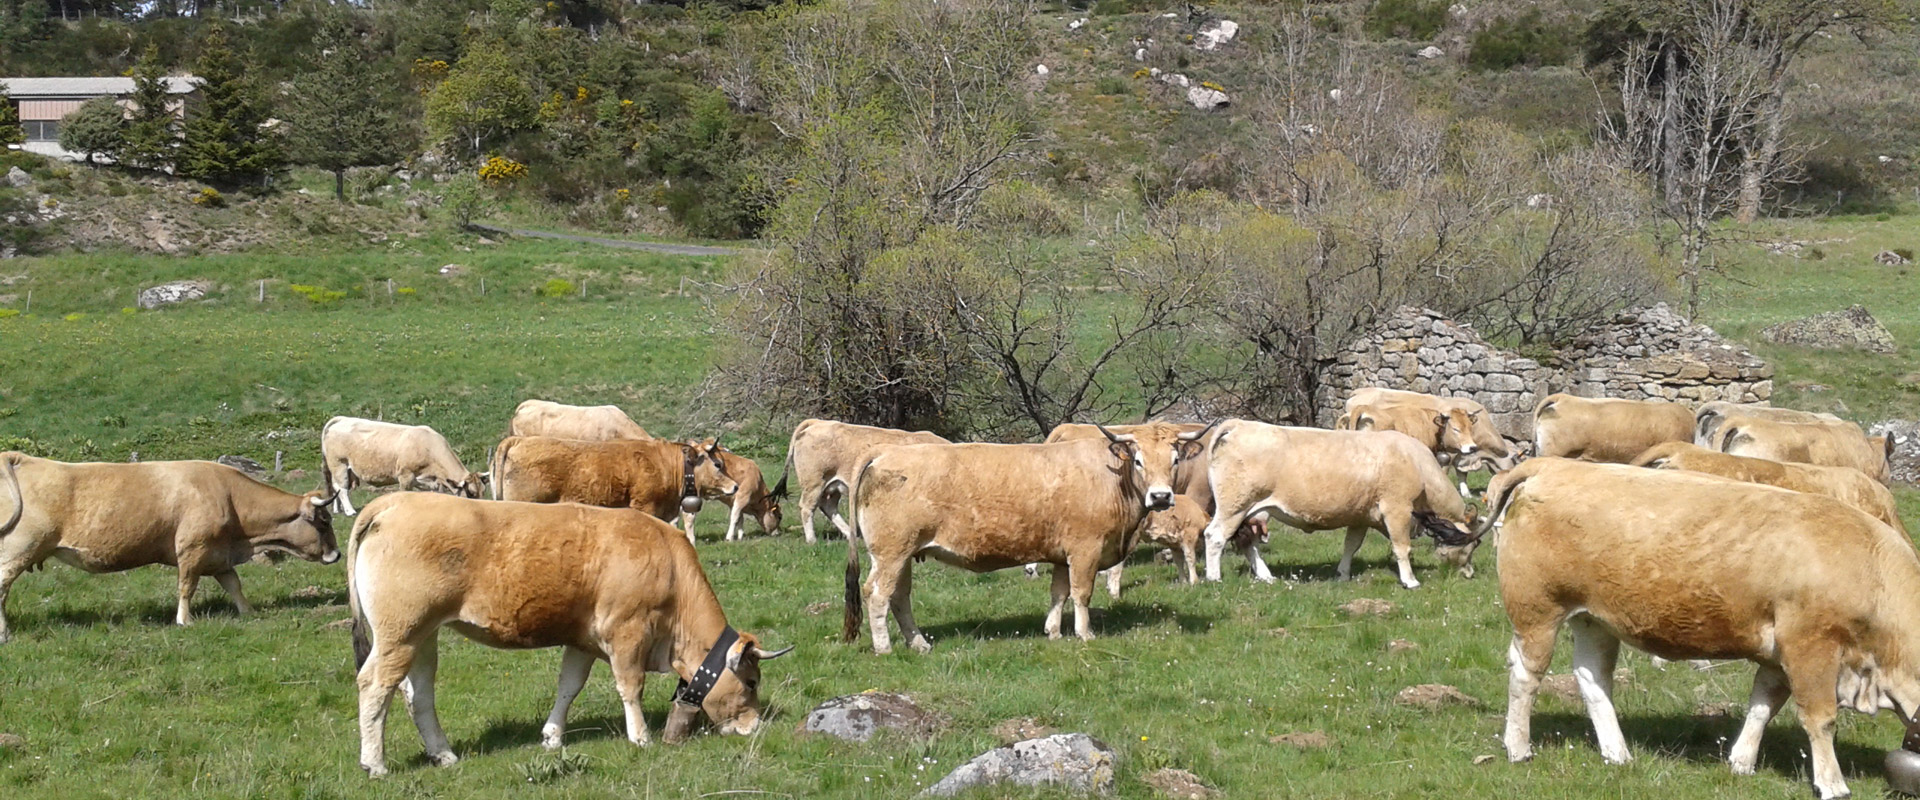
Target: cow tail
[[850, 626], [497, 467], [779, 491], [362, 643], [8, 461], [1500, 493]]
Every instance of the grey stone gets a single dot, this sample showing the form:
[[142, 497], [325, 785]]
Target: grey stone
[[18, 178], [169, 293], [1505, 382], [857, 717], [1853, 329], [1075, 761], [242, 463]]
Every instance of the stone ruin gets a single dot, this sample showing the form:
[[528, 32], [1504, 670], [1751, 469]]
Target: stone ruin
[[1642, 354]]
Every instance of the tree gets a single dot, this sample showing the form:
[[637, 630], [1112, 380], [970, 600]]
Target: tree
[[225, 143], [152, 132], [10, 130], [484, 98], [339, 112], [97, 126]]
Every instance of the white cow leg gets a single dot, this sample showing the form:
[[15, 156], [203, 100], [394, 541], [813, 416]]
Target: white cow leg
[[1769, 693], [1400, 536], [1060, 592], [342, 504], [1080, 580], [418, 690], [901, 602], [189, 582], [1595, 651], [230, 581], [575, 666], [1527, 659], [9, 572], [879, 600], [629, 677], [806, 509], [1251, 551], [383, 671], [1216, 533], [1356, 536]]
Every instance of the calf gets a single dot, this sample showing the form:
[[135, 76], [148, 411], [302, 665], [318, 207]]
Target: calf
[[1318, 480], [823, 456], [362, 451], [561, 421], [1606, 429], [201, 517], [1686, 566], [752, 498], [607, 585], [1845, 484], [1830, 444], [654, 476], [983, 507]]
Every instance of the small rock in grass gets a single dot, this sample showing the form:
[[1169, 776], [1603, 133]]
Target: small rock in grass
[[1434, 696], [1020, 729], [11, 740], [1076, 761], [822, 607], [1367, 607], [313, 593], [1481, 759], [857, 717], [1307, 740], [1399, 646], [1179, 783]]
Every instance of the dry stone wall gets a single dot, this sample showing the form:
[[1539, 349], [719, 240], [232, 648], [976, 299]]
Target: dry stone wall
[[1647, 353]]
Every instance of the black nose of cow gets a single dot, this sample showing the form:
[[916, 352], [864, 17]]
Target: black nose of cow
[[1160, 501]]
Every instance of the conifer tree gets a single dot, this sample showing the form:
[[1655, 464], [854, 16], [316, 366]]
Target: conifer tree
[[225, 143], [10, 130], [340, 112], [153, 130]]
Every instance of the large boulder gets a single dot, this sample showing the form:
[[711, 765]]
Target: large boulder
[[1207, 99], [1852, 329], [857, 717], [1218, 33], [1076, 761], [18, 178], [170, 293]]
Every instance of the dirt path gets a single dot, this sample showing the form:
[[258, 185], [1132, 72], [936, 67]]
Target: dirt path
[[654, 247]]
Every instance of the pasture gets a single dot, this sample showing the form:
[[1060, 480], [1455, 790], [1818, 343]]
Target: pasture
[[110, 700]]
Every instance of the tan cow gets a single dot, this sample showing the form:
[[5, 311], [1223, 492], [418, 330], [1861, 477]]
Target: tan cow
[[1493, 451], [1817, 593], [1845, 484], [823, 456], [607, 585], [650, 475], [752, 498], [1710, 417], [357, 451], [1317, 480], [561, 421], [1606, 429], [201, 517], [1831, 444], [1078, 505], [1448, 434]]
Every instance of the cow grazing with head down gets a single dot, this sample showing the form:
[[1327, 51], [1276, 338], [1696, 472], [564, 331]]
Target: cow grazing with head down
[[1080, 506], [752, 498], [1820, 595], [1318, 480], [1606, 429], [561, 421], [657, 477], [609, 585], [1491, 450], [414, 457], [1845, 484], [1826, 443], [822, 457], [201, 517]]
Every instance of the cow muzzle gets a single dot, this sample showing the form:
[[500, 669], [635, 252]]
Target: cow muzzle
[[1159, 499], [1469, 449], [331, 557], [744, 726]]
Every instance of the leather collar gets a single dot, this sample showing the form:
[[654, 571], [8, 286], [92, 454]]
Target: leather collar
[[694, 692]]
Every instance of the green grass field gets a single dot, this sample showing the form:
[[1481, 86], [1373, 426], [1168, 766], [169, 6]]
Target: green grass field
[[110, 700]]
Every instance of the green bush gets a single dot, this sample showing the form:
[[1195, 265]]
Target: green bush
[[1110, 84], [318, 295], [1525, 40], [557, 287], [9, 312], [1024, 207], [1405, 19]]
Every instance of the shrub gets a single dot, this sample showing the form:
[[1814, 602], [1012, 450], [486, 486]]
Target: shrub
[[1816, 254], [318, 295], [464, 201], [557, 287], [1110, 85], [1024, 207], [1523, 40], [209, 197], [9, 312], [1405, 19], [500, 171]]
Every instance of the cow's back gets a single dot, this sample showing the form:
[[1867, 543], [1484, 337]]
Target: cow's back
[[119, 516], [586, 423]]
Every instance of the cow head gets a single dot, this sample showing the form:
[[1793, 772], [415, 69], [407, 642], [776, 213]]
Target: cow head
[[1456, 431], [1149, 457], [305, 529], [768, 512], [734, 703], [473, 486], [710, 476]]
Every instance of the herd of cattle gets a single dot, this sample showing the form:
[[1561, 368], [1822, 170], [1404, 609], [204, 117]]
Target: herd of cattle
[[1723, 532]]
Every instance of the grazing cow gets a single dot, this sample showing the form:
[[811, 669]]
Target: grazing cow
[[1845, 484], [1493, 451], [1318, 480], [752, 498], [605, 584], [1605, 428], [561, 421], [1447, 434], [415, 457], [1078, 504], [823, 456], [1830, 444], [201, 517], [654, 476], [1684, 566], [1710, 417]]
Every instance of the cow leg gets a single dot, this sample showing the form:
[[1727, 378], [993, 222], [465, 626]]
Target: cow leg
[[1356, 536], [629, 677], [901, 601], [418, 691], [1218, 528], [1112, 574], [735, 532], [686, 524], [1812, 672], [1188, 561], [189, 582], [1527, 659], [1080, 578], [1060, 592], [575, 665], [1595, 651], [1250, 550], [382, 673], [341, 476], [835, 512], [10, 571], [880, 598], [1769, 693], [230, 581], [1400, 535], [807, 503]]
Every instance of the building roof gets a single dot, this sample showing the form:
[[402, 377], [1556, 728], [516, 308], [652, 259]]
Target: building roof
[[86, 87]]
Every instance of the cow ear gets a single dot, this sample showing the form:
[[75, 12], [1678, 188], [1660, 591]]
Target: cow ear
[[1122, 450], [1191, 448], [1440, 420], [740, 648]]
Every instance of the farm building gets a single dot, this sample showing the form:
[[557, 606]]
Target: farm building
[[43, 102]]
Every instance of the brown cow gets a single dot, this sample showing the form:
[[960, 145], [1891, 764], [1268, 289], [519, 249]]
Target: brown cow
[[649, 475], [1317, 480], [1079, 504], [1493, 451], [357, 451], [561, 421], [201, 517], [1606, 429], [1817, 593], [823, 456], [1449, 434], [1845, 484], [607, 585], [752, 498], [1830, 444], [1712, 416]]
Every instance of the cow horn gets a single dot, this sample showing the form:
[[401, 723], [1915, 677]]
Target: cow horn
[[1199, 434], [766, 656], [1111, 437]]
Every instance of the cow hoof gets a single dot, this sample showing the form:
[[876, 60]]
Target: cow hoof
[[1266, 579], [550, 737], [1743, 768], [375, 770], [882, 650], [1410, 584], [446, 759], [922, 646]]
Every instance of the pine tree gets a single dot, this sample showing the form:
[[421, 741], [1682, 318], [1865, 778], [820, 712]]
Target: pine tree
[[339, 113], [98, 126], [10, 130], [153, 130], [224, 143]]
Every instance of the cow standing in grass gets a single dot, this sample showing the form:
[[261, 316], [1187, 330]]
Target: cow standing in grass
[[751, 499], [1606, 429], [654, 476], [357, 451], [562, 421], [822, 457]]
